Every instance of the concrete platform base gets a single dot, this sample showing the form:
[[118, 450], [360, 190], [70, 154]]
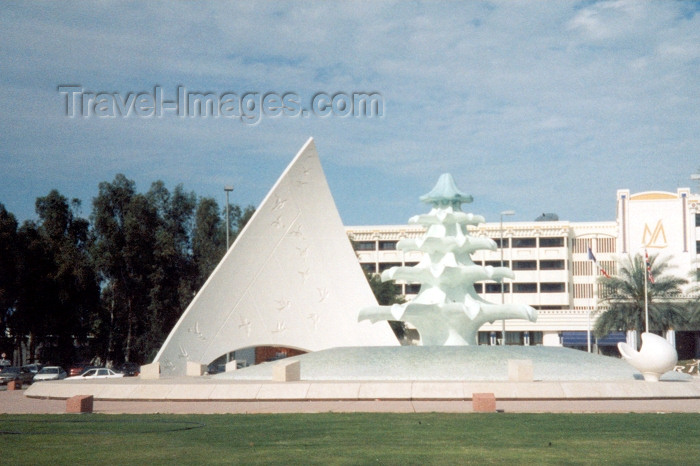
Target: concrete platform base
[[402, 379], [206, 388], [14, 402]]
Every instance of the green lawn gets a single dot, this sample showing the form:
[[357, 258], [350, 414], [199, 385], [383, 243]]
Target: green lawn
[[351, 439]]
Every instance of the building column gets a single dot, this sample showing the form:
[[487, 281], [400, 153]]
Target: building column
[[632, 338], [551, 339], [671, 337]]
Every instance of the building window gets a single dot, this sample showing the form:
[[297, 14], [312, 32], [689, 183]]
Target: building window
[[605, 244], [583, 290], [609, 266], [604, 291], [697, 247], [369, 267], [365, 245], [387, 245], [479, 287], [552, 287], [583, 268], [387, 265], [556, 242], [412, 288], [581, 245], [535, 338], [524, 242], [498, 242], [411, 264], [697, 220], [497, 263], [496, 288], [484, 338], [524, 265], [552, 265], [525, 287]]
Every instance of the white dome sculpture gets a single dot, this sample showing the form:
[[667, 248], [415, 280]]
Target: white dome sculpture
[[656, 356], [447, 310]]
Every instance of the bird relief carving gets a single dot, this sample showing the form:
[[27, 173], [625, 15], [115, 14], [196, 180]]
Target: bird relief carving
[[196, 331], [296, 231], [283, 304], [279, 203], [315, 318], [277, 223], [247, 324], [323, 294], [281, 327]]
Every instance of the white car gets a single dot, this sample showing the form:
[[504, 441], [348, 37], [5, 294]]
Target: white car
[[50, 373], [98, 373]]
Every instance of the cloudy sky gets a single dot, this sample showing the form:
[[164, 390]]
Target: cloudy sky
[[531, 106]]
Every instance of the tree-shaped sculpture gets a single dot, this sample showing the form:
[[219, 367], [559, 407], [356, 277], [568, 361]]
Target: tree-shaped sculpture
[[447, 309]]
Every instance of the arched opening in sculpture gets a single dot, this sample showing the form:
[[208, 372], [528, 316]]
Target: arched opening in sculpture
[[250, 356]]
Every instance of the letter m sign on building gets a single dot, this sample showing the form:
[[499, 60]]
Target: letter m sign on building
[[656, 238]]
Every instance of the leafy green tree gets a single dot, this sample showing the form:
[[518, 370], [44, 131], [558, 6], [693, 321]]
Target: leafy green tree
[[209, 237], [57, 290], [124, 279], [625, 297], [36, 293], [152, 252], [173, 271], [67, 236], [239, 217], [8, 272], [388, 293], [207, 240], [125, 225]]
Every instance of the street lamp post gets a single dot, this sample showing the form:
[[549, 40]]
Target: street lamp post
[[503, 298], [228, 189], [595, 298]]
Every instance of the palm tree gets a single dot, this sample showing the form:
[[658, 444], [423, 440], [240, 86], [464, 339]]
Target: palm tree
[[624, 298], [694, 280]]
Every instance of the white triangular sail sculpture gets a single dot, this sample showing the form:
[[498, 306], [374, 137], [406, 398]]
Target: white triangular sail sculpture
[[291, 279]]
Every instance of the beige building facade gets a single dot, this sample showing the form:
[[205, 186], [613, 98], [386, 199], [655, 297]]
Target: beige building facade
[[553, 270]]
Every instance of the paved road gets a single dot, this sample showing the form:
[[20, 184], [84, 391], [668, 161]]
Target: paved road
[[14, 402]]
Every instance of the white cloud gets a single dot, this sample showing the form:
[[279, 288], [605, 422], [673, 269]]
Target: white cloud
[[522, 99]]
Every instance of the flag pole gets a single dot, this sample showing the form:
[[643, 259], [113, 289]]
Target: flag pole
[[598, 270], [592, 258], [595, 305], [646, 297]]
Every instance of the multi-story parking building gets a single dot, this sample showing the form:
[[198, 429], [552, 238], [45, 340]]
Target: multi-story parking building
[[553, 270]]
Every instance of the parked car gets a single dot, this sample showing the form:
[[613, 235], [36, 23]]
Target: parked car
[[216, 368], [79, 368], [33, 368], [20, 374], [97, 373], [129, 369], [50, 373]]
